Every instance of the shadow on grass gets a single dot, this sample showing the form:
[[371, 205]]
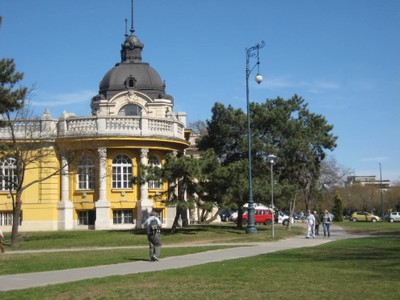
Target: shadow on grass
[[136, 259]]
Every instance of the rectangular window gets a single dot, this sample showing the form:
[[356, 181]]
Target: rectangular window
[[122, 217], [6, 218], [83, 217], [122, 177], [155, 184], [86, 180]]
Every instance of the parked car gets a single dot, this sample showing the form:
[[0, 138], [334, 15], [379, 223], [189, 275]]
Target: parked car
[[281, 218], [362, 216], [225, 214], [261, 216], [233, 217], [296, 216], [394, 216]]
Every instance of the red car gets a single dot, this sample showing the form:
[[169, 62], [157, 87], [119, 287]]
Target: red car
[[261, 216]]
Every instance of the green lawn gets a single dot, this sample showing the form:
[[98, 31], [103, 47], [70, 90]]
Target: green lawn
[[363, 268], [222, 233]]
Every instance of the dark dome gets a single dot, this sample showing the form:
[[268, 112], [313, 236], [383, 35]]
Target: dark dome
[[144, 77], [132, 73]]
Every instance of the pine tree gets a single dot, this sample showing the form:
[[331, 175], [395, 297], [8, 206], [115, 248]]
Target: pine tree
[[338, 208]]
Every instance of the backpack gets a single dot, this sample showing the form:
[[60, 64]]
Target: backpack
[[153, 226]]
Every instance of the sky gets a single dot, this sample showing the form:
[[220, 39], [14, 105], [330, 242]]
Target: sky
[[341, 56]]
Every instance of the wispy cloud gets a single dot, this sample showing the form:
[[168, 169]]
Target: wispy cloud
[[312, 86], [375, 159], [53, 100]]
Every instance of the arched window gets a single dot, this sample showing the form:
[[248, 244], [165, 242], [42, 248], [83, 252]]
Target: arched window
[[154, 162], [8, 177], [86, 173], [130, 83], [121, 172], [130, 110]]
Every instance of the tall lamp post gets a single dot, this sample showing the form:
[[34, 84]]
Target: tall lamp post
[[271, 159], [251, 52], [380, 171]]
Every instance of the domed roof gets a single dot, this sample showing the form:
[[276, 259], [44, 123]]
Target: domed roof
[[132, 73], [137, 76]]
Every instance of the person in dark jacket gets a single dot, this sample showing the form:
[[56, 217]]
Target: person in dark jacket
[[317, 222], [153, 235]]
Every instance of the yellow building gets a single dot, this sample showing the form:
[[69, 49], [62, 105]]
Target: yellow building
[[133, 125]]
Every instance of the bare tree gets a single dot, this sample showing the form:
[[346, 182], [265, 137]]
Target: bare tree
[[332, 175], [28, 146]]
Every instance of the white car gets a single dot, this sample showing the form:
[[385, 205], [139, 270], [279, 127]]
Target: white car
[[394, 216], [283, 218]]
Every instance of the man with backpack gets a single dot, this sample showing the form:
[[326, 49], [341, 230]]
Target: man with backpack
[[153, 226]]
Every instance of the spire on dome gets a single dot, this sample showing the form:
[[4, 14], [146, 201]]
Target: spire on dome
[[131, 49], [132, 29]]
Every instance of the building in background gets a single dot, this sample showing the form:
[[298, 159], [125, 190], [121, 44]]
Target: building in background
[[367, 181]]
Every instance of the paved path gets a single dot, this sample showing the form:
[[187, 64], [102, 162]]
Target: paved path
[[29, 280]]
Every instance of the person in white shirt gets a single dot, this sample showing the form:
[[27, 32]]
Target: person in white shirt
[[153, 227], [310, 225]]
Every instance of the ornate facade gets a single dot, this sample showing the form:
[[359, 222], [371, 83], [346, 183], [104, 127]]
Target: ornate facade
[[132, 125]]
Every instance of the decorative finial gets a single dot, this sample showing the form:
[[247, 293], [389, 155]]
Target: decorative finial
[[126, 27], [132, 29]]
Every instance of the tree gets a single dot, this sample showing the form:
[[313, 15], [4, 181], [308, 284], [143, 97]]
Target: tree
[[198, 127], [25, 145], [181, 172], [282, 127], [299, 138], [12, 99], [338, 208]]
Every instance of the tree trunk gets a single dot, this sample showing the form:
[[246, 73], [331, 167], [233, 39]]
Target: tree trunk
[[16, 218], [176, 220], [292, 205]]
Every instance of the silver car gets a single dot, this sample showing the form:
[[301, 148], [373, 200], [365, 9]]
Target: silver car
[[394, 217]]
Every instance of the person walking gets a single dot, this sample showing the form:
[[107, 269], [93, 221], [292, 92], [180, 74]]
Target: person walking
[[310, 225], [326, 220], [153, 227], [317, 222], [1, 241]]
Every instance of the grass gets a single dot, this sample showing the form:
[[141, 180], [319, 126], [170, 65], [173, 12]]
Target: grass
[[363, 268], [85, 252], [224, 233]]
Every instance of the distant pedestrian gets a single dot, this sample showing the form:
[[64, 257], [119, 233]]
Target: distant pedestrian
[[153, 227], [317, 222], [310, 225], [327, 222], [1, 241]]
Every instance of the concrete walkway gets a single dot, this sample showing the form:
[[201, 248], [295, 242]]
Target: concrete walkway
[[29, 280]]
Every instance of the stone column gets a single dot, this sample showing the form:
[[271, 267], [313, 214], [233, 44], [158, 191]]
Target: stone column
[[65, 206], [144, 205], [103, 220]]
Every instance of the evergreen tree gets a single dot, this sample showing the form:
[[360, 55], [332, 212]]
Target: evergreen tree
[[338, 207]]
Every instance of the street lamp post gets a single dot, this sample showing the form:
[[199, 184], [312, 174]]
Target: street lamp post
[[380, 171], [251, 52], [271, 159]]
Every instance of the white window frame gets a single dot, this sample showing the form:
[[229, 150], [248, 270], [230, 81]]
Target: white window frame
[[6, 218], [121, 172], [155, 163], [86, 177], [121, 216], [7, 173]]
